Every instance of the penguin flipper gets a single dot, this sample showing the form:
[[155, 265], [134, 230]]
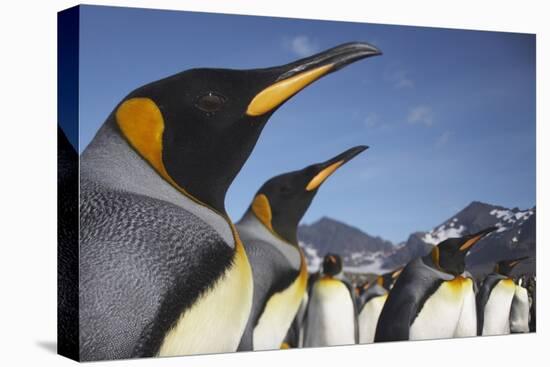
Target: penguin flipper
[[483, 296], [293, 336], [405, 300]]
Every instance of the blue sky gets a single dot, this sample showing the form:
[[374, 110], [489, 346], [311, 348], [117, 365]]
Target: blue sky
[[449, 115]]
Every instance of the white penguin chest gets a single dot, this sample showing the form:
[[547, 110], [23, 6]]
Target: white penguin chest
[[519, 315], [216, 322], [449, 312], [496, 316], [278, 315], [368, 318], [330, 315]]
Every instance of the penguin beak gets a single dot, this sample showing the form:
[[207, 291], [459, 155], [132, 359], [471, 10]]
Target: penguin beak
[[396, 273], [514, 262], [293, 77], [473, 239], [324, 170]]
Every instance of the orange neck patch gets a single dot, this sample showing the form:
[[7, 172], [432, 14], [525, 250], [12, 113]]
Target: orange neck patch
[[142, 124], [262, 209], [435, 256]]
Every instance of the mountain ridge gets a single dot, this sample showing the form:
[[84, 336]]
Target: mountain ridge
[[363, 252]]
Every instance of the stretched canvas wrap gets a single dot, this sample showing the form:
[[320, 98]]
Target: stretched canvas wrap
[[239, 183]]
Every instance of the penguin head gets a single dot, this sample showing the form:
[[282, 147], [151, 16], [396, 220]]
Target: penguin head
[[387, 280], [282, 201], [198, 127], [505, 267], [366, 285], [450, 255], [332, 264]]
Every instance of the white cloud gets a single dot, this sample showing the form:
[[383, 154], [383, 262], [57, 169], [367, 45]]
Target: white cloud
[[420, 115], [443, 139], [302, 45], [399, 78], [372, 120], [404, 83]]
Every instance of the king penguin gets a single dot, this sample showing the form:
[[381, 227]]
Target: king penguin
[[433, 296], [370, 303], [520, 310], [268, 230], [331, 316], [502, 305], [162, 269]]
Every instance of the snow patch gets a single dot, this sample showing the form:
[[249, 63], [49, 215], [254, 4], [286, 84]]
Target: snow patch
[[313, 259], [435, 236], [375, 267], [509, 216]]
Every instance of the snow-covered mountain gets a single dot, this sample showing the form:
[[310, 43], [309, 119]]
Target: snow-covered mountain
[[361, 252]]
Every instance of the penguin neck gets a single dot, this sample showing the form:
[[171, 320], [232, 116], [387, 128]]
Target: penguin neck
[[111, 162], [432, 260], [502, 270], [377, 288], [249, 226], [339, 276], [291, 238]]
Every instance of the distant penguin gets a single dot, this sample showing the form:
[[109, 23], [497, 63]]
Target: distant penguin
[[162, 268], [295, 335], [268, 230], [520, 312], [372, 299], [331, 316], [433, 297], [502, 306]]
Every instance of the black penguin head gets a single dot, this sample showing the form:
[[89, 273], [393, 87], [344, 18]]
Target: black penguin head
[[198, 127], [505, 267], [450, 255], [332, 264], [282, 201]]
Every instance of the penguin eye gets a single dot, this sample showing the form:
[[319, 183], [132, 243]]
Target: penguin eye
[[210, 102]]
